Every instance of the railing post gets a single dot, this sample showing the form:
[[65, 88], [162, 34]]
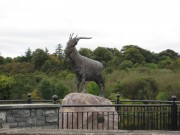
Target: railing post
[[117, 102], [29, 98], [174, 114], [118, 109], [54, 98]]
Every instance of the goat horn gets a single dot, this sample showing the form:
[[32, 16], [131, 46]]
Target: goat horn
[[71, 35], [84, 37]]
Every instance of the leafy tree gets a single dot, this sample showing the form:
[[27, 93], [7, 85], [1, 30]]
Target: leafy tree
[[5, 87], [8, 60], [126, 64], [59, 52], [20, 59], [134, 55], [165, 62], [115, 52], [169, 53], [2, 60], [28, 55], [46, 89], [61, 90], [86, 52], [17, 67], [102, 54], [46, 51], [148, 56], [115, 62], [22, 85], [39, 57], [47, 66], [175, 65], [53, 64]]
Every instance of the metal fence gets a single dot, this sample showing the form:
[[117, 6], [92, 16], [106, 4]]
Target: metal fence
[[138, 115], [125, 115], [29, 100]]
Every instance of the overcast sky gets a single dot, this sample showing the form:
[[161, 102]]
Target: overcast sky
[[151, 24]]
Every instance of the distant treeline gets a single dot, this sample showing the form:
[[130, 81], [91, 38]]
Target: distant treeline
[[134, 72]]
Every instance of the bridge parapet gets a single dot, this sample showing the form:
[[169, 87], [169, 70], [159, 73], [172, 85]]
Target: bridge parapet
[[29, 115]]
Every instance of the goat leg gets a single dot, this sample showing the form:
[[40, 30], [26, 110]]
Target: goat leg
[[83, 85]]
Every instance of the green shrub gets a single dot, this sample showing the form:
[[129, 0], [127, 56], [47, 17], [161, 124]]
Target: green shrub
[[137, 88], [45, 89], [63, 74], [162, 95], [93, 88], [61, 90], [126, 64], [151, 65]]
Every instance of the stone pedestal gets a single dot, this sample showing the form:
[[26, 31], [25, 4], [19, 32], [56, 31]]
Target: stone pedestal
[[87, 117]]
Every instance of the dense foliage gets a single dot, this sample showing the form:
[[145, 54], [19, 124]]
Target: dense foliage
[[133, 72]]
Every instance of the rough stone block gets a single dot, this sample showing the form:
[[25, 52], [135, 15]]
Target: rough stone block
[[20, 119], [33, 112], [2, 117], [22, 124], [49, 113], [31, 121], [10, 119], [25, 113], [52, 119], [17, 115], [9, 112], [14, 112], [5, 125], [13, 125], [42, 118], [40, 123], [39, 112]]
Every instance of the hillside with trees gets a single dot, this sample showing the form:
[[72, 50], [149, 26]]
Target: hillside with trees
[[133, 72]]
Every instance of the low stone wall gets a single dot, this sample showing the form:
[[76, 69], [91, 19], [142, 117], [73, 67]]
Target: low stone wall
[[29, 116]]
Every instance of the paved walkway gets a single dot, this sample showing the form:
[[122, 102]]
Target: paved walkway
[[82, 132]]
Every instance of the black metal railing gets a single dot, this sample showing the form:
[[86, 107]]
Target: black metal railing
[[125, 115], [145, 115], [29, 100]]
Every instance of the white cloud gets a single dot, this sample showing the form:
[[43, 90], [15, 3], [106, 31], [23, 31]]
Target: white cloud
[[151, 24]]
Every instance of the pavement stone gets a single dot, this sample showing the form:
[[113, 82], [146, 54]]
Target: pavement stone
[[39, 131]]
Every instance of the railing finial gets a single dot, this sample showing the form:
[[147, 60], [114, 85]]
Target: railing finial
[[29, 98], [54, 98]]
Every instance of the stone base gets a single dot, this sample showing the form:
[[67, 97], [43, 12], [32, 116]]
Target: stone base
[[87, 117]]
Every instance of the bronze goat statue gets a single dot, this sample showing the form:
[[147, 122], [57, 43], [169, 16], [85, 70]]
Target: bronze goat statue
[[86, 69]]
